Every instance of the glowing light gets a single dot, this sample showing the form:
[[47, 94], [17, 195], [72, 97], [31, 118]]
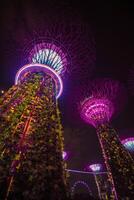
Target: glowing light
[[64, 155], [129, 143], [97, 111], [106, 98], [83, 172], [2, 91], [50, 55], [95, 167], [41, 68]]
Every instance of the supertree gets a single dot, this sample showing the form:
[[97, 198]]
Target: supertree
[[31, 139], [102, 183], [96, 168], [104, 101]]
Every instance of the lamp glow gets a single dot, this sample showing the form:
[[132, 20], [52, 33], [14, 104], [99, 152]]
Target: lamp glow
[[2, 91], [64, 155]]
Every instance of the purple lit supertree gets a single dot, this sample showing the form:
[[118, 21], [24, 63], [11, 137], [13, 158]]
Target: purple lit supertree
[[63, 36], [31, 139], [102, 183], [104, 101], [96, 168]]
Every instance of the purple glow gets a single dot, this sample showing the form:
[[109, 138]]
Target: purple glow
[[97, 111], [40, 68], [50, 55], [83, 172], [104, 98], [129, 143], [95, 167], [65, 155], [71, 40]]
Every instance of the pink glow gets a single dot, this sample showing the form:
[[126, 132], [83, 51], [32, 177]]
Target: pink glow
[[64, 155], [39, 68], [96, 111], [95, 167], [104, 99]]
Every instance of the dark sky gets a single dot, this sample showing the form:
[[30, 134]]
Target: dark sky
[[113, 30]]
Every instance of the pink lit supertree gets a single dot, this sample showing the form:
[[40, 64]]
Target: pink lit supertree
[[101, 180], [73, 38], [31, 136], [104, 101], [96, 168]]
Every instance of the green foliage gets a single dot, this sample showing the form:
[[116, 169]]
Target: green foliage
[[31, 141]]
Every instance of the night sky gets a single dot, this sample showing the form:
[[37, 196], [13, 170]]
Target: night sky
[[113, 30]]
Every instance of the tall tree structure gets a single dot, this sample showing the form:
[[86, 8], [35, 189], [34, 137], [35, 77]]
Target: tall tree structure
[[104, 101], [31, 133], [103, 184], [31, 139]]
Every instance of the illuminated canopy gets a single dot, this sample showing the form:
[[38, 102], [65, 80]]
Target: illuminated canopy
[[41, 68], [129, 143], [95, 167], [96, 111], [49, 54]]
